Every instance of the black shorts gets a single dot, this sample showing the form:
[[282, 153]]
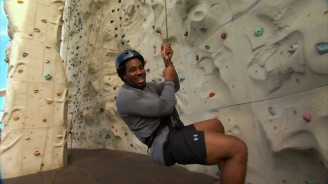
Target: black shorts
[[185, 146]]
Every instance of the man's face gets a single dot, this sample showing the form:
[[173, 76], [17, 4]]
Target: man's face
[[135, 74]]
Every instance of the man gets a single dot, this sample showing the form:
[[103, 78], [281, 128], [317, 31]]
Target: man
[[149, 111]]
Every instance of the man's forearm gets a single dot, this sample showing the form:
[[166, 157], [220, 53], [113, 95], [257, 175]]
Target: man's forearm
[[176, 78]]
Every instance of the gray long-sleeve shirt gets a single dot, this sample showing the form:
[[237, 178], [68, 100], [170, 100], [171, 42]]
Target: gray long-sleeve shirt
[[142, 109]]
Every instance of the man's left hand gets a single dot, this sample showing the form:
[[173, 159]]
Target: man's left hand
[[167, 53]]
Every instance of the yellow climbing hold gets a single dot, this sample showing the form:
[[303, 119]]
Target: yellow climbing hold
[[59, 136], [47, 61], [27, 138], [36, 91], [44, 21], [59, 94], [37, 30], [16, 118], [48, 47], [20, 1], [44, 120], [36, 153], [49, 100], [20, 71]]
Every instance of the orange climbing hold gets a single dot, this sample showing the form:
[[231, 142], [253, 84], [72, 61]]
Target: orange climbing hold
[[16, 118], [211, 95], [59, 94], [36, 153]]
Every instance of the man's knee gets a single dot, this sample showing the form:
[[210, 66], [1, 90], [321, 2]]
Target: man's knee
[[240, 151], [219, 125]]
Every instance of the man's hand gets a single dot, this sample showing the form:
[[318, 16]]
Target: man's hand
[[167, 53], [169, 73]]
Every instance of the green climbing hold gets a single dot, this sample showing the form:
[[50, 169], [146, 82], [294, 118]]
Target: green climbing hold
[[182, 79], [272, 110], [24, 54], [47, 76], [258, 32], [322, 47], [203, 28], [311, 182], [207, 47]]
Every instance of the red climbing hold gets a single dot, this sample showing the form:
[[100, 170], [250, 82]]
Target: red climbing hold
[[223, 35], [159, 31], [186, 33], [307, 117], [197, 57], [211, 94]]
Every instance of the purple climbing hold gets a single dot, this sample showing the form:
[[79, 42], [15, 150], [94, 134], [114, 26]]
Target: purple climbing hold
[[307, 117]]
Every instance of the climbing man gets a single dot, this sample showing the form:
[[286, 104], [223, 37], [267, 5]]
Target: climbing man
[[148, 109]]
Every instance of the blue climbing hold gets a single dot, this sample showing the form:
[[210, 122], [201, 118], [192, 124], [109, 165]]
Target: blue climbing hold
[[322, 47], [272, 110], [203, 28], [47, 76], [258, 32], [182, 79]]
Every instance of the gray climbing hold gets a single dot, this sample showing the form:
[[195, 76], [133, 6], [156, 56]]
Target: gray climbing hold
[[293, 48], [47, 76], [203, 28], [207, 47], [272, 110], [24, 54], [258, 32], [182, 79], [123, 35], [322, 47]]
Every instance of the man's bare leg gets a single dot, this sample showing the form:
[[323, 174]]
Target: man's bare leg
[[228, 152], [232, 151]]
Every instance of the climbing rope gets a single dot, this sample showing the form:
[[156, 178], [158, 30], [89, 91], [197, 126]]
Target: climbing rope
[[167, 31]]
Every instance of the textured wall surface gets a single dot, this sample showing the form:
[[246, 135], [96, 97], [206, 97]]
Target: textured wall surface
[[267, 71], [260, 66], [34, 123]]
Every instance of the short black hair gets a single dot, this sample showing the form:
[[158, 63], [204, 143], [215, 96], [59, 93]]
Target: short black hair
[[122, 68]]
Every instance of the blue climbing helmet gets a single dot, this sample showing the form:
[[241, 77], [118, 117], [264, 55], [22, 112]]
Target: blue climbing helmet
[[128, 54]]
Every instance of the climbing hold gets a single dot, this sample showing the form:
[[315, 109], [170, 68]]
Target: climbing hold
[[307, 117], [126, 133], [59, 136], [147, 70], [154, 47], [116, 28], [113, 11], [311, 182], [154, 81], [159, 31], [37, 30], [111, 21], [36, 91], [211, 94], [36, 153], [49, 100], [114, 88], [122, 43], [186, 33], [120, 18], [133, 5], [119, 1], [20, 71], [47, 76], [322, 47], [47, 47], [182, 79], [131, 145], [44, 21], [47, 61], [272, 110], [27, 138], [24, 54], [59, 94], [293, 48], [16, 118], [258, 32], [44, 120], [207, 47], [123, 35], [20, 1], [223, 35], [197, 57], [30, 34], [203, 28]]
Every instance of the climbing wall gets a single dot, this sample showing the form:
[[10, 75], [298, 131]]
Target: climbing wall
[[34, 123], [261, 67]]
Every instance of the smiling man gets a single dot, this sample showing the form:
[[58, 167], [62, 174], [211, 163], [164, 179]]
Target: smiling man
[[149, 111]]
